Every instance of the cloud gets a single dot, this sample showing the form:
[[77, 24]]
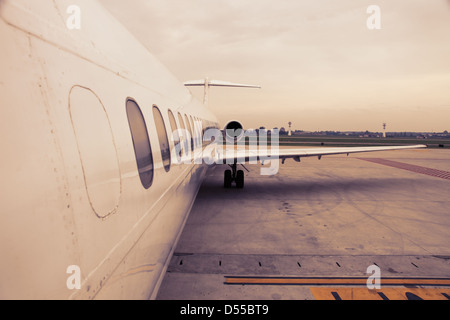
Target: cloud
[[306, 54]]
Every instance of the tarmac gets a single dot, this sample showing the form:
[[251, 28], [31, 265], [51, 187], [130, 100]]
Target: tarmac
[[320, 230]]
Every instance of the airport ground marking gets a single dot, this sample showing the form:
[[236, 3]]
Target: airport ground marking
[[358, 293], [334, 281], [410, 167], [349, 288]]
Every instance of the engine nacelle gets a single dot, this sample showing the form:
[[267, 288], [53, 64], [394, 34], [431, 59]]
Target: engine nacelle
[[234, 131]]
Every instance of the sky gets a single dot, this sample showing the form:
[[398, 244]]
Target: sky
[[318, 63]]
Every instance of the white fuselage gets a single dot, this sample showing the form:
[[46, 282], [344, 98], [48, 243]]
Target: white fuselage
[[71, 194]]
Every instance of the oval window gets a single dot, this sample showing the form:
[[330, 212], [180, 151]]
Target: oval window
[[183, 139], [162, 137], [175, 136], [188, 124], [141, 143]]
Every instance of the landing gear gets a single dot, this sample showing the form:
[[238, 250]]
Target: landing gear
[[234, 175], [227, 179], [240, 179]]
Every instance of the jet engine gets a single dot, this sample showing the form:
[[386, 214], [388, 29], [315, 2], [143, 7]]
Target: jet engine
[[234, 131]]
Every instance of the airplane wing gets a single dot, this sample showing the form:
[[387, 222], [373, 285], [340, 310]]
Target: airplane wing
[[230, 156], [234, 157]]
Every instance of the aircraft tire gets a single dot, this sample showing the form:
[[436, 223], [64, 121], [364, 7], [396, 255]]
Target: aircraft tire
[[240, 179], [227, 179]]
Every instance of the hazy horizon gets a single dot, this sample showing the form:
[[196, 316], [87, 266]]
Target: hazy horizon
[[319, 65]]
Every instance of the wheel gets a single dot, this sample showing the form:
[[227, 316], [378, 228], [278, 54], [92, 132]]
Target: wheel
[[227, 179], [240, 179]]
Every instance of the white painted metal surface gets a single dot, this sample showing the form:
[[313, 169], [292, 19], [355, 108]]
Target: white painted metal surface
[[71, 193]]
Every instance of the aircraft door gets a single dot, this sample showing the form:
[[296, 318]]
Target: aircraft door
[[97, 151]]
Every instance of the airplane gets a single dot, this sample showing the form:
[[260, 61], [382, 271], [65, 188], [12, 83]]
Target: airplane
[[94, 191]]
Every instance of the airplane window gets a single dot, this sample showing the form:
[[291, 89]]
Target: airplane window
[[188, 124], [180, 119], [195, 135], [198, 127], [141, 143], [162, 136], [172, 121], [176, 138]]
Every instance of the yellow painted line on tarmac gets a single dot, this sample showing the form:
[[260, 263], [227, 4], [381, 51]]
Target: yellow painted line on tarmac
[[327, 293], [334, 281]]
